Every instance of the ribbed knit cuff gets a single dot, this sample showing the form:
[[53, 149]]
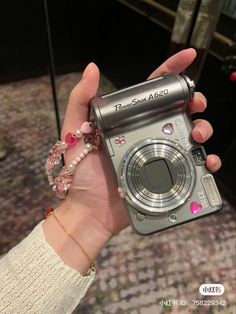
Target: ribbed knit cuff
[[34, 279]]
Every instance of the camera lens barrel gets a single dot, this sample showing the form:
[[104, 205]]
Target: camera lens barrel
[[167, 185], [141, 101]]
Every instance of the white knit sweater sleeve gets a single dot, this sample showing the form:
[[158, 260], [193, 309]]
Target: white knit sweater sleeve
[[34, 279]]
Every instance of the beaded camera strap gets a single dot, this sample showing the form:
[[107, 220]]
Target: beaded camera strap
[[62, 181]]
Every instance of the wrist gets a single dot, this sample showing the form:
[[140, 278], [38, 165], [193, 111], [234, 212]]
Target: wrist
[[82, 219], [86, 229]]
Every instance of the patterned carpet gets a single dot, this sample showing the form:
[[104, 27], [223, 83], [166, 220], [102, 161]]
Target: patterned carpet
[[135, 275]]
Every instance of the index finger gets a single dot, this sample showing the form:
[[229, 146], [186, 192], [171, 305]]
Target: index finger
[[176, 63]]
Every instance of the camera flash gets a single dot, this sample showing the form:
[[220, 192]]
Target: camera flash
[[211, 190]]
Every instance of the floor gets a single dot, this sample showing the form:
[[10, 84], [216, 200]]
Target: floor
[[135, 274]]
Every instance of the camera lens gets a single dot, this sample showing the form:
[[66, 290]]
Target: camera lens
[[157, 175]]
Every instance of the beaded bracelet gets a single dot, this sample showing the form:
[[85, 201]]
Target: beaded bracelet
[[62, 182]]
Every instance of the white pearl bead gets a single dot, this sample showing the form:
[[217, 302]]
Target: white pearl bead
[[63, 145], [89, 146], [74, 162], [81, 155], [78, 133], [71, 167], [78, 159], [85, 151]]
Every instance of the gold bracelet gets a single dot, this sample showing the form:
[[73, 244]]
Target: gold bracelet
[[49, 212]]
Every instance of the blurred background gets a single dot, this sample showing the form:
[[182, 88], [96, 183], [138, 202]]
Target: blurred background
[[45, 46]]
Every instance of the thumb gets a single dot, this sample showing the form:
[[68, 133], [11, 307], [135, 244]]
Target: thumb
[[78, 105]]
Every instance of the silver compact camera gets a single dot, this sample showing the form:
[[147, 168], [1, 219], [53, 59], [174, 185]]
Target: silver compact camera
[[161, 173]]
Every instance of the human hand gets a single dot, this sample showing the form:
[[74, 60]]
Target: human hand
[[93, 193]]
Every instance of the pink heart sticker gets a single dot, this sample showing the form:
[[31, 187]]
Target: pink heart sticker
[[195, 207]]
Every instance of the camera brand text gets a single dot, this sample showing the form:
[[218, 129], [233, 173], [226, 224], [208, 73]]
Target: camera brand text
[[137, 101]]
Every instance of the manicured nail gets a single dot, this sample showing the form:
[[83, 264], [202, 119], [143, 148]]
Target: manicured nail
[[204, 100], [192, 49], [203, 133], [87, 70], [215, 162]]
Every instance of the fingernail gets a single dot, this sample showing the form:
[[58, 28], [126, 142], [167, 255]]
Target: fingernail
[[87, 70], [214, 163], [203, 133], [192, 49], [204, 100]]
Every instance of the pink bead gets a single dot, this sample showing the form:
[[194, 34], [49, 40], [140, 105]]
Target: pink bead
[[78, 159], [86, 128], [81, 155], [85, 151], [121, 192], [71, 139]]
